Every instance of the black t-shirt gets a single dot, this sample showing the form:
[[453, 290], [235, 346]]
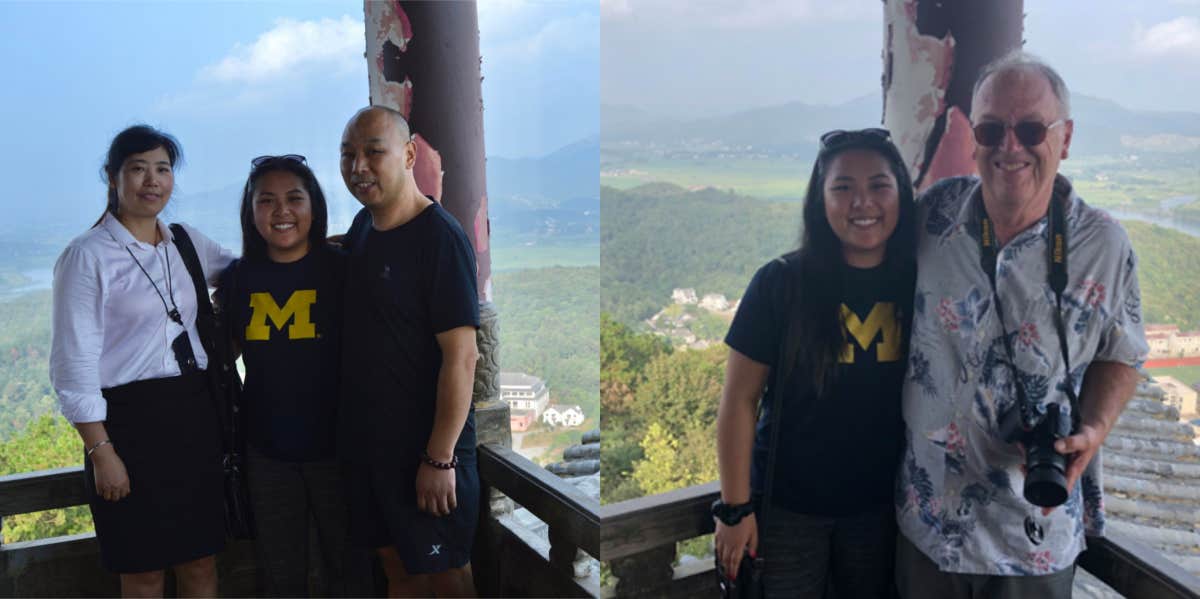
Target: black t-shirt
[[404, 286], [838, 453], [287, 318]]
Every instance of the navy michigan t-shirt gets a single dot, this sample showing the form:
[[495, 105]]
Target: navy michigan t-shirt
[[404, 286], [838, 453], [287, 319]]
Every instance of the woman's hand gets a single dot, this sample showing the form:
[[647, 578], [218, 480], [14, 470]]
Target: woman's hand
[[112, 481], [732, 541]]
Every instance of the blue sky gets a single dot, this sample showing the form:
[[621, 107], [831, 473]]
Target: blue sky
[[708, 57], [236, 80]]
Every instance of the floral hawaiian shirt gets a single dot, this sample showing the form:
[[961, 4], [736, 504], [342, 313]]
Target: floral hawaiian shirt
[[959, 490]]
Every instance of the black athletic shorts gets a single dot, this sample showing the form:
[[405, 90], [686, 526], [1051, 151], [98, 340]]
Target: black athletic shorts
[[383, 511]]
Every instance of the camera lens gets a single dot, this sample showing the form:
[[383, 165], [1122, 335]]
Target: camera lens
[[1046, 481]]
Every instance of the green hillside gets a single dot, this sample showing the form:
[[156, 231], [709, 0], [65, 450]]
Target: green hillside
[[658, 237], [550, 327], [25, 391], [1169, 274]]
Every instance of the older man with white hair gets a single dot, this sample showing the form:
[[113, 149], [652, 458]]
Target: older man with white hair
[[1027, 333]]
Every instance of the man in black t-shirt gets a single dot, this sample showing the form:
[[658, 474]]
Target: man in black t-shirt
[[407, 429]]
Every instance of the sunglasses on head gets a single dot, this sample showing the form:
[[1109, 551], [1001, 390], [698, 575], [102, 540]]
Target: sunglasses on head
[[841, 137], [261, 160], [1030, 133]]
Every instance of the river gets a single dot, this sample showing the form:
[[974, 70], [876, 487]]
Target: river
[[1169, 223]]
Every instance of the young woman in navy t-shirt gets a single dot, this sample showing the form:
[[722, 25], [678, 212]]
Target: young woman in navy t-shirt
[[284, 303], [826, 326]]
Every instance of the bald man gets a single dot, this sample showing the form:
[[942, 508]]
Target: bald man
[[407, 427]]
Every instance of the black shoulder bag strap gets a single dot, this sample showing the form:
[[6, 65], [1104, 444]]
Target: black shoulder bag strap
[[206, 324]]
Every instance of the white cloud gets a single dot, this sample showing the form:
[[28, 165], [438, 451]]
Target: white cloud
[[560, 35], [750, 14], [1175, 38], [291, 46], [615, 9]]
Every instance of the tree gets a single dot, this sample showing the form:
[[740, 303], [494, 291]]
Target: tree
[[659, 472], [50, 442]]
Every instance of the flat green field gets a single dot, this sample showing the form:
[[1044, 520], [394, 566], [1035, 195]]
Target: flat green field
[[1102, 181], [768, 178], [1189, 375], [509, 257]]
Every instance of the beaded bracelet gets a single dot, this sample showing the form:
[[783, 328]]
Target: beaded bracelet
[[439, 465], [98, 446]]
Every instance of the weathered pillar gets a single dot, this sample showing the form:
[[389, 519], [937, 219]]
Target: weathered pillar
[[932, 53], [423, 60]]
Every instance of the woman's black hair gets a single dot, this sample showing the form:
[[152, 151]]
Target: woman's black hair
[[254, 247], [134, 140], [816, 332]]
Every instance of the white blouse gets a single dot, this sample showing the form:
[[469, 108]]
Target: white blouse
[[109, 325]]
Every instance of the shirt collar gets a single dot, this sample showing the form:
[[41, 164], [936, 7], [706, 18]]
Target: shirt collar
[[123, 236], [970, 213]]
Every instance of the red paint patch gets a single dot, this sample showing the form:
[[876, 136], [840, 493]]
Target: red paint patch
[[405, 25], [428, 169], [482, 230], [953, 155], [1172, 362]]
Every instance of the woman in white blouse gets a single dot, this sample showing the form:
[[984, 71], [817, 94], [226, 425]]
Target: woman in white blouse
[[127, 366]]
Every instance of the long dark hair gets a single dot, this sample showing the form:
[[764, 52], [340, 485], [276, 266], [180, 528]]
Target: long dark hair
[[254, 247], [816, 331], [134, 140]]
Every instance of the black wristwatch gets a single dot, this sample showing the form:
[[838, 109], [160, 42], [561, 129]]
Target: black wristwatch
[[731, 514]]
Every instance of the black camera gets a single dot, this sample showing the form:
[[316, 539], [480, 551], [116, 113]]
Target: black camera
[[182, 348], [1045, 468]]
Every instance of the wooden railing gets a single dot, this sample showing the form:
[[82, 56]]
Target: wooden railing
[[638, 541], [506, 561], [636, 538], [520, 568]]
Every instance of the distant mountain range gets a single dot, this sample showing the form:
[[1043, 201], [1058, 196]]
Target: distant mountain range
[[1101, 128], [556, 195]]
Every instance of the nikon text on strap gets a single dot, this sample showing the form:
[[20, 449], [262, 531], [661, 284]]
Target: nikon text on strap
[[1056, 250]]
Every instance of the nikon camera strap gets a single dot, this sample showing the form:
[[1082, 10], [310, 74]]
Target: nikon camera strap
[[1056, 250]]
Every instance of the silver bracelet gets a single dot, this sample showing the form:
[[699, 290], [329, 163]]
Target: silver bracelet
[[98, 446]]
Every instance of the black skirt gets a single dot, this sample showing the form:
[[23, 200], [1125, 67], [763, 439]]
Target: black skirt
[[166, 433]]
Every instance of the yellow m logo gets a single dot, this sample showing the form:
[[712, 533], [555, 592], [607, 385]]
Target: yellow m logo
[[881, 319], [298, 309]]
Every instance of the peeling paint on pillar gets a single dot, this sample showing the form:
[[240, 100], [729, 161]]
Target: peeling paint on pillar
[[933, 50], [423, 60], [915, 94], [387, 24]]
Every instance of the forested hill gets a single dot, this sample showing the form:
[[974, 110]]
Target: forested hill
[[658, 237], [1168, 272]]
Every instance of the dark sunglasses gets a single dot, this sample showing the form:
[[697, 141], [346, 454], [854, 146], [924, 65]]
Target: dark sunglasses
[[1030, 133], [261, 160], [840, 137]]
